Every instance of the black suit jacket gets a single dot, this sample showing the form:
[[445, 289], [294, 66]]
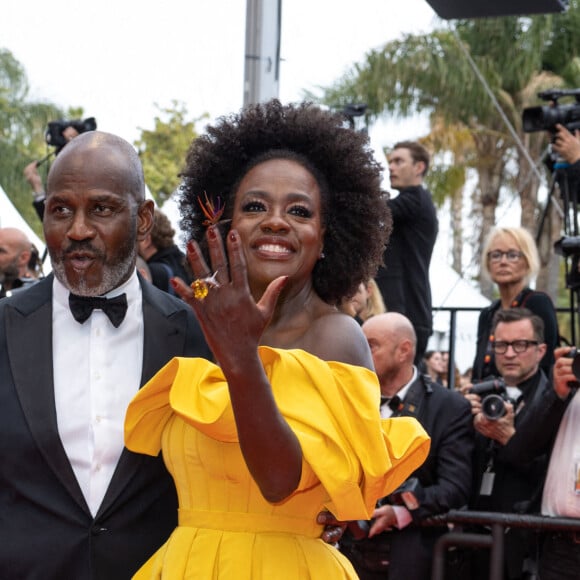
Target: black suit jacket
[[445, 477], [46, 529], [404, 279]]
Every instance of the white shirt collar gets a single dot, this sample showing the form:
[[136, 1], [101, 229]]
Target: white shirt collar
[[131, 288]]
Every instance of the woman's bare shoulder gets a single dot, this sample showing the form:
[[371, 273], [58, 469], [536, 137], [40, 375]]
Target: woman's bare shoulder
[[338, 337]]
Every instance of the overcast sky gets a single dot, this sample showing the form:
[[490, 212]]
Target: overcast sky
[[117, 59]]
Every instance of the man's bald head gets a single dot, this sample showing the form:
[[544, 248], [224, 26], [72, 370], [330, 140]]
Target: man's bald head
[[394, 325], [392, 341], [118, 156], [17, 238]]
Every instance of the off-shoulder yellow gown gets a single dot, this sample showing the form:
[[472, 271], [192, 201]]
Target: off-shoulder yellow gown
[[227, 530]]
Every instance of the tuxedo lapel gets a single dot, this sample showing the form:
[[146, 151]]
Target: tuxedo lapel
[[164, 337], [29, 325], [165, 333]]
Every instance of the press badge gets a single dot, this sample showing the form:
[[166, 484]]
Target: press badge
[[487, 483]]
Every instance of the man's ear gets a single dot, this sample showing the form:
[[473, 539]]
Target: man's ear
[[405, 347], [145, 215], [542, 347], [24, 258], [420, 168]]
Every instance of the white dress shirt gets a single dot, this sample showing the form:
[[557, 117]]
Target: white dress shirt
[[386, 411], [561, 495], [402, 514], [97, 371]]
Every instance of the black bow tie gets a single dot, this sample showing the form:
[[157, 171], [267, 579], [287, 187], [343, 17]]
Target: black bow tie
[[393, 402], [83, 306]]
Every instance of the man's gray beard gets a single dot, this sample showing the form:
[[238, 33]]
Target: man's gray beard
[[113, 276], [9, 274]]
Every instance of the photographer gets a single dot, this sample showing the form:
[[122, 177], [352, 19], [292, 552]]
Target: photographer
[[567, 145], [398, 547], [504, 480], [553, 423], [58, 134]]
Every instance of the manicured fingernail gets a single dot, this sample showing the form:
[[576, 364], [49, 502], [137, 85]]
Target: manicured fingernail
[[233, 236], [211, 233], [190, 246]]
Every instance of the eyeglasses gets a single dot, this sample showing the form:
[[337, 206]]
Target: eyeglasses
[[497, 255], [519, 346]]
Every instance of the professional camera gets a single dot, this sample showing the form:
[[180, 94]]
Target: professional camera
[[575, 355], [493, 393], [546, 117], [570, 246], [54, 133]]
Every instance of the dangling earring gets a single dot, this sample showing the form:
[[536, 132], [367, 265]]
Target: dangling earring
[[322, 256]]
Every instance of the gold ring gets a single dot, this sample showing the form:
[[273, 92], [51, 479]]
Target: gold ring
[[201, 286]]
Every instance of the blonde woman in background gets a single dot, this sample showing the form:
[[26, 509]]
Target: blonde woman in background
[[511, 260]]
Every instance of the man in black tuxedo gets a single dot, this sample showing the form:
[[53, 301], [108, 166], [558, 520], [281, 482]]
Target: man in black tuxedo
[[74, 503], [397, 547], [506, 480], [404, 278]]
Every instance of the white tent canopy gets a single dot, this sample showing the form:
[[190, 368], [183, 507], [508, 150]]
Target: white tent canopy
[[449, 290]]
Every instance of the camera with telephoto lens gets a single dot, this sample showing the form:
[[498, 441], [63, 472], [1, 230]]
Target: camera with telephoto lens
[[574, 354], [493, 394], [546, 117], [54, 133]]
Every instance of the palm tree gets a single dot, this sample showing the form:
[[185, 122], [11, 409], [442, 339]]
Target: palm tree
[[479, 74], [455, 146]]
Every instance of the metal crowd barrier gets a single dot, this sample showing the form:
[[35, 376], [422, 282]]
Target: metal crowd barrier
[[497, 522], [453, 337]]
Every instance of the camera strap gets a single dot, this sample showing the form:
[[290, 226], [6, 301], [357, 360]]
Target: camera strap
[[488, 475]]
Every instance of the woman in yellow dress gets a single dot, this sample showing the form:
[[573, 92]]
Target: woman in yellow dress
[[285, 211]]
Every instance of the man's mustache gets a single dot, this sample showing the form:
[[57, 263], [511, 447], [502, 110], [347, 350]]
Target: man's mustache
[[85, 247]]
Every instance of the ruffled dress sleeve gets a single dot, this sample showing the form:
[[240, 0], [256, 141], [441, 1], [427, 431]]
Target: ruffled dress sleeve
[[332, 407]]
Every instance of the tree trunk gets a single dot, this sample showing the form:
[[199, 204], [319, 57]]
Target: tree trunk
[[490, 180], [456, 219]]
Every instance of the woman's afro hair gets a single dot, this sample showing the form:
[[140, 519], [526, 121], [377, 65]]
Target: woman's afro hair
[[356, 218]]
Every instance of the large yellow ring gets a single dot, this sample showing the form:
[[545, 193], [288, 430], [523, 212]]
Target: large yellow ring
[[201, 286], [200, 289]]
